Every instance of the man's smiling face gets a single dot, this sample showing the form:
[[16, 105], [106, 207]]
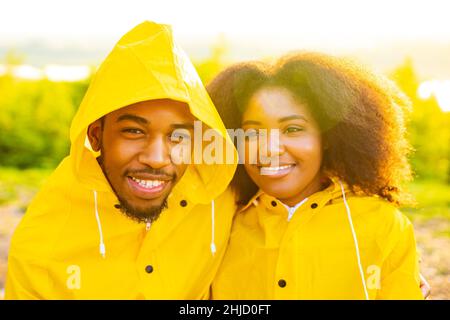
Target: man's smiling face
[[135, 144]]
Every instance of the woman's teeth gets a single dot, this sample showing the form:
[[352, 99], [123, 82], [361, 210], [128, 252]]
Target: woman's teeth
[[148, 183], [274, 170]]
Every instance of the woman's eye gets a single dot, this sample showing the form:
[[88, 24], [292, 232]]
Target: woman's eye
[[293, 129]]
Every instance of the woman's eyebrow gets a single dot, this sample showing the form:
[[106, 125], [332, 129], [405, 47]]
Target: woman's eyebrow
[[247, 122], [293, 117]]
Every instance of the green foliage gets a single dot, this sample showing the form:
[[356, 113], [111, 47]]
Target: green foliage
[[429, 130], [35, 118], [210, 67]]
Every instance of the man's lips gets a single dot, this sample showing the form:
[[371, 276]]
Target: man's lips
[[150, 176], [148, 186]]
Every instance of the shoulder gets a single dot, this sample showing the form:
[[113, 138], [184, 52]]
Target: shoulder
[[382, 218], [44, 217], [376, 208], [228, 195]]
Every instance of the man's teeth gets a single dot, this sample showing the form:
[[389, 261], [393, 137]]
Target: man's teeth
[[148, 183], [273, 170]]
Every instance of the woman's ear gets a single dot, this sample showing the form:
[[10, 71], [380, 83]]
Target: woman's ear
[[94, 134]]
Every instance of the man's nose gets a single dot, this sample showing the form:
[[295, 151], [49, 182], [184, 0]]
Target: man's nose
[[156, 153]]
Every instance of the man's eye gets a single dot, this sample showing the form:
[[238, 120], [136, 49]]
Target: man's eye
[[134, 131], [178, 137]]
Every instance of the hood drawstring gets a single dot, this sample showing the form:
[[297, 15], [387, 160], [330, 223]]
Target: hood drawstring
[[148, 225], [99, 224], [213, 245], [355, 240]]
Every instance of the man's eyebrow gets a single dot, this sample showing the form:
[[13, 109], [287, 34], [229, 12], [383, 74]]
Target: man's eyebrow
[[182, 126], [293, 117], [132, 117], [248, 122]]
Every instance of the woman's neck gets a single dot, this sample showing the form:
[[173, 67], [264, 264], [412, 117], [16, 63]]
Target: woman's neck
[[316, 185]]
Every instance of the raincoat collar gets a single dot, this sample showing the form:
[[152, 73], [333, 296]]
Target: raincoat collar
[[321, 198]]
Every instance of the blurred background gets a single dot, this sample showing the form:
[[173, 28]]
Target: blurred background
[[50, 49]]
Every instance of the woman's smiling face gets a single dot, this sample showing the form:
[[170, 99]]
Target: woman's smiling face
[[298, 152]]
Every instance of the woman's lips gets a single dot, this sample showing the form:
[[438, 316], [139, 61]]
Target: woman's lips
[[147, 189], [276, 172]]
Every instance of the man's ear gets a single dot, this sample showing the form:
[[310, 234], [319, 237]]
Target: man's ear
[[94, 134]]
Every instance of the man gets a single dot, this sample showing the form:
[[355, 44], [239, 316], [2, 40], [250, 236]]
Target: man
[[119, 218]]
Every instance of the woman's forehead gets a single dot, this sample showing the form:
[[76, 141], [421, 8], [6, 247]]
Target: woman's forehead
[[274, 103]]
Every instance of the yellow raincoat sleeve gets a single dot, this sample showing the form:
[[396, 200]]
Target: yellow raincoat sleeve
[[23, 279], [400, 271]]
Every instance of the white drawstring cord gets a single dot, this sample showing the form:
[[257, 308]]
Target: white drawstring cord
[[355, 240], [99, 224], [213, 245]]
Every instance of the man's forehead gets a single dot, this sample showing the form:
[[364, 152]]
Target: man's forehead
[[154, 105], [147, 108], [169, 103]]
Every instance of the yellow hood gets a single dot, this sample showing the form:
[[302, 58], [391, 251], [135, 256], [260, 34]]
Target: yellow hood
[[147, 64]]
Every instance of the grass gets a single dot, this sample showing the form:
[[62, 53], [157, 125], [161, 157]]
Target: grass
[[18, 185], [27, 177], [433, 200]]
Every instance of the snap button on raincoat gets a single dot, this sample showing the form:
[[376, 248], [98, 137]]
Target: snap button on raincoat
[[55, 252], [311, 253]]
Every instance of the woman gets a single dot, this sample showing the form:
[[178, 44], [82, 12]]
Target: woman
[[319, 217]]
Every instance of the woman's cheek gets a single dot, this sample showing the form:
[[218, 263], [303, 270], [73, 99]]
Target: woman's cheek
[[305, 149]]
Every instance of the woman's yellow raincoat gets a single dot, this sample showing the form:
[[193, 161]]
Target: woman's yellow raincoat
[[56, 252], [317, 251]]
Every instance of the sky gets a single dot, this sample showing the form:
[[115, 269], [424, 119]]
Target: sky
[[344, 23]]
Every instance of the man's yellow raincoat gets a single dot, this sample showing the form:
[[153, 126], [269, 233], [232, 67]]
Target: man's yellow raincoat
[[316, 251], [56, 250]]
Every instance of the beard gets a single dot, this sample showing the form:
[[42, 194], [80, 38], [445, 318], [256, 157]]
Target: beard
[[146, 215], [140, 215]]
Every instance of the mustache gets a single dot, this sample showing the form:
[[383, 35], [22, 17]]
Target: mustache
[[156, 172]]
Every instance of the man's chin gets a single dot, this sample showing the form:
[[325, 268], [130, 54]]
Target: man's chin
[[143, 214]]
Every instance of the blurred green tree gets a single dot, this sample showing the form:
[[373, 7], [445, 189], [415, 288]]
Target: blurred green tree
[[429, 128], [217, 60], [35, 117]]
